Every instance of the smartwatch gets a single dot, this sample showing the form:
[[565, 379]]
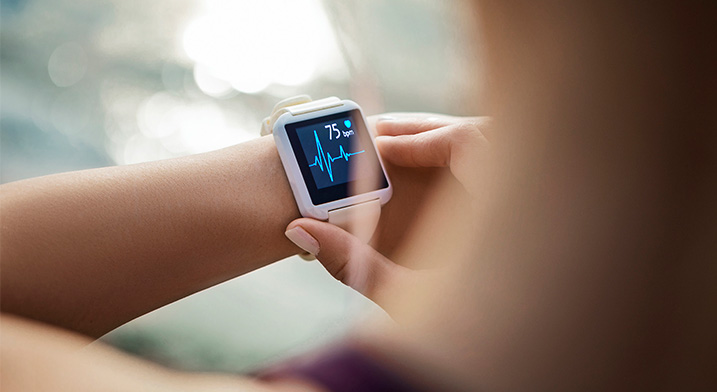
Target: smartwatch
[[331, 161]]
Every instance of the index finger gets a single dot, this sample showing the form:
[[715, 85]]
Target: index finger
[[413, 125]]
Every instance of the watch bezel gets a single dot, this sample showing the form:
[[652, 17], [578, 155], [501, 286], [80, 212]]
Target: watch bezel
[[293, 170]]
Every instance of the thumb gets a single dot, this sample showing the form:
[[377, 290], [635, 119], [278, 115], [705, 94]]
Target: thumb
[[346, 258]]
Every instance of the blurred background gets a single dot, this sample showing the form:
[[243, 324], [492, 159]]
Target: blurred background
[[91, 83]]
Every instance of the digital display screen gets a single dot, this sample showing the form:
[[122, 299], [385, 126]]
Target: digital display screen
[[336, 156]]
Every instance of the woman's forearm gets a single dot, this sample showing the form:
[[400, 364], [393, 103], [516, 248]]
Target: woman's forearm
[[66, 363], [93, 249]]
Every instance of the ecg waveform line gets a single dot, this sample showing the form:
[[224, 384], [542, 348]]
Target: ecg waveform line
[[324, 160]]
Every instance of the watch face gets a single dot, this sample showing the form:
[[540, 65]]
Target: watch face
[[336, 156]]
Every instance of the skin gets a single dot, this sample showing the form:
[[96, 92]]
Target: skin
[[39, 357], [154, 232], [584, 259], [148, 226], [151, 234]]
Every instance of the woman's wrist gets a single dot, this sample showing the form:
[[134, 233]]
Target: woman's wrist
[[255, 201], [90, 250]]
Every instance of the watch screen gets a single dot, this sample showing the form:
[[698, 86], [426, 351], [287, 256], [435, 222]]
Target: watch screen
[[336, 156]]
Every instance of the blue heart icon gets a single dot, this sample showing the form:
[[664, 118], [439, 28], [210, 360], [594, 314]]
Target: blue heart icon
[[347, 123]]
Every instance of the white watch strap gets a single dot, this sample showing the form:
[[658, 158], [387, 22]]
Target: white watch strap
[[359, 219], [299, 104]]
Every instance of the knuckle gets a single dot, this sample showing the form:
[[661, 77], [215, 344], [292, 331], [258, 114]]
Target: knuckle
[[335, 265], [340, 273], [470, 133], [465, 132], [440, 149]]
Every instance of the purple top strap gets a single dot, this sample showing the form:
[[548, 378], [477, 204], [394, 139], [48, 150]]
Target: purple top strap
[[341, 369]]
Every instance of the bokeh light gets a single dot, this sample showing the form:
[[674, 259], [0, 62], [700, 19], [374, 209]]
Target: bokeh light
[[253, 44], [67, 64]]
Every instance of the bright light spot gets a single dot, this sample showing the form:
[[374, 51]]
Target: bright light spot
[[252, 44], [138, 149], [156, 115], [203, 127], [210, 84], [251, 85], [67, 64], [182, 127]]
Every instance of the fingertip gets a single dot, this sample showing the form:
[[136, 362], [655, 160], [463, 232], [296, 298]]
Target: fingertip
[[297, 222], [397, 150], [384, 126], [385, 117], [399, 126], [410, 125], [384, 146], [382, 139], [303, 239], [324, 232], [310, 224]]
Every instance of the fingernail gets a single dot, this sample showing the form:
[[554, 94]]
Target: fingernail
[[385, 118], [303, 239]]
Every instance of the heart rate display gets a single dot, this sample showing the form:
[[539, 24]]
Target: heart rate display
[[324, 159], [336, 156], [331, 149]]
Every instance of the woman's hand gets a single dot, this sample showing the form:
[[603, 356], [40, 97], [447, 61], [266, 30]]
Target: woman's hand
[[458, 143], [410, 141]]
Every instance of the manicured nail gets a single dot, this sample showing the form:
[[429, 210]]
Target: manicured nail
[[303, 240]]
